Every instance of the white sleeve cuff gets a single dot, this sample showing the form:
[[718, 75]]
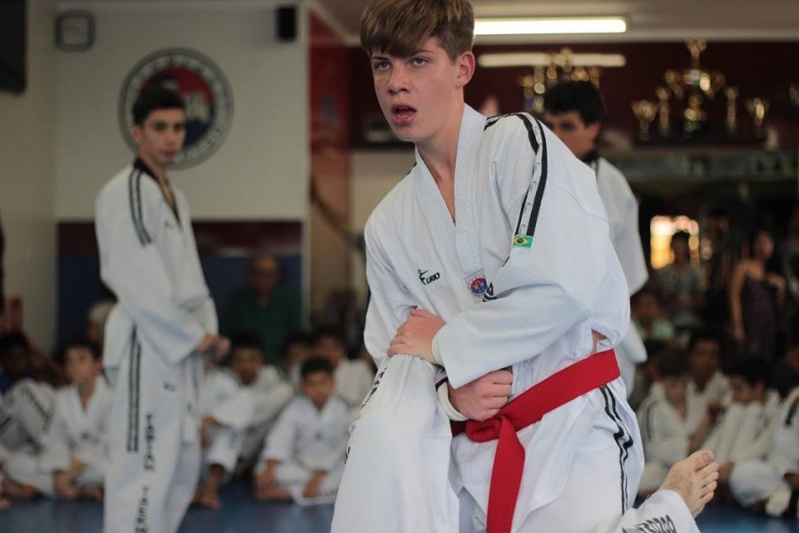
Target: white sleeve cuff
[[449, 410], [437, 352]]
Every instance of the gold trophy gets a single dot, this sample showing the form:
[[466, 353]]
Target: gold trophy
[[693, 116], [731, 121], [645, 111], [664, 108], [758, 108]]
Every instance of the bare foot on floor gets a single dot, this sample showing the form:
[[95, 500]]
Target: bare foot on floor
[[17, 491], [277, 494], [694, 479], [4, 504], [209, 499]]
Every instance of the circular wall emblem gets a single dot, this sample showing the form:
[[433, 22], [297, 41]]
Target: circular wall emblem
[[209, 100]]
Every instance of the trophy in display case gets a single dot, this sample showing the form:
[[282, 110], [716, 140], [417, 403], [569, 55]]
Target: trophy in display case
[[758, 108], [731, 117], [645, 111]]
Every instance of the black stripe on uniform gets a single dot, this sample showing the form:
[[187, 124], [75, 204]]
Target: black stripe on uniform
[[134, 197], [623, 439], [133, 393], [539, 192]]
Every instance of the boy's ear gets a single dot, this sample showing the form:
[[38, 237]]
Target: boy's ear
[[466, 65], [594, 129], [135, 132]]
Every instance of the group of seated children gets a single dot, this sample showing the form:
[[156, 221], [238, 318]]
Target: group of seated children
[[287, 428], [752, 431]]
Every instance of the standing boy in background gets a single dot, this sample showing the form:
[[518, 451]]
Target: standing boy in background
[[157, 335], [574, 111]]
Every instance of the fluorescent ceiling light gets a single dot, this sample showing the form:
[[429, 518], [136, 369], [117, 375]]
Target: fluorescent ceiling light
[[538, 26], [540, 59]]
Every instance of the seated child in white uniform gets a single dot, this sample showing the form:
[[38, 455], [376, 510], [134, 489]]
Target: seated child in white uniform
[[746, 428], [246, 416], [672, 423], [304, 455], [75, 448], [772, 485]]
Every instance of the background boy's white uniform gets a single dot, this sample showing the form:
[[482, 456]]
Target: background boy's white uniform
[[622, 210], [223, 398], [745, 431], [717, 391], [305, 439], [80, 434], [148, 258], [26, 412], [544, 302], [353, 380], [755, 480], [666, 435]]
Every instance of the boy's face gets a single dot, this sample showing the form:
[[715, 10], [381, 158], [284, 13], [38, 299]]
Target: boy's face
[[298, 353], [704, 358], [318, 386], [160, 138], [247, 362], [675, 389], [80, 366], [743, 392], [575, 134], [420, 94], [16, 362]]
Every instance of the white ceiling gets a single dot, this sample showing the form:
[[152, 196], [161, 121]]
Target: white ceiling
[[647, 20]]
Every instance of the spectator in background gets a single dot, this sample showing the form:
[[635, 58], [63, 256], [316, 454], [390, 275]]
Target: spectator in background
[[296, 350], [22, 360], [96, 317], [681, 286], [708, 386], [718, 244], [649, 317], [756, 292], [353, 376], [263, 308]]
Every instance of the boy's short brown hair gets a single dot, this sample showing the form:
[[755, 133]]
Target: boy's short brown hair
[[398, 27]]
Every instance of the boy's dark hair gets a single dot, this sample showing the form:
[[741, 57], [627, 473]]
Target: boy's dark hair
[[706, 334], [14, 339], [672, 363], [753, 371], [246, 341], [398, 27], [329, 331], [301, 337], [78, 343], [154, 98], [317, 364], [580, 96]]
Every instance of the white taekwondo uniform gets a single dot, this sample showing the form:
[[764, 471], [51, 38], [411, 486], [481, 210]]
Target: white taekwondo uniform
[[621, 206], [545, 295], [305, 439], [148, 258], [745, 431], [353, 380], [755, 480], [246, 414], [78, 434], [26, 412], [666, 435]]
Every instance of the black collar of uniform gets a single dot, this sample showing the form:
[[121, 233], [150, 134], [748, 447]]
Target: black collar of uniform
[[591, 158], [139, 164]]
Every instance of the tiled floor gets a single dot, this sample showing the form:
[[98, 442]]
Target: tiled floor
[[240, 513]]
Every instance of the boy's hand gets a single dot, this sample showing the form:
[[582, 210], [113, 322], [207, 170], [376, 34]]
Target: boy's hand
[[415, 335], [64, 487], [221, 348], [312, 488], [264, 481], [484, 397]]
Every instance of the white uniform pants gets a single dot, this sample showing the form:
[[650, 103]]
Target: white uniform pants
[[155, 464]]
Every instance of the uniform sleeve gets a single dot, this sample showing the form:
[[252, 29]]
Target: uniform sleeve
[[785, 453], [271, 398], [56, 454], [280, 442], [389, 302], [627, 242], [132, 268], [560, 276]]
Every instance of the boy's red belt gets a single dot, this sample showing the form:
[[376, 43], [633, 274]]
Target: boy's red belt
[[525, 410]]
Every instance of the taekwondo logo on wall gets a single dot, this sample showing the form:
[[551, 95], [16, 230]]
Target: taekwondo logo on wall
[[203, 86]]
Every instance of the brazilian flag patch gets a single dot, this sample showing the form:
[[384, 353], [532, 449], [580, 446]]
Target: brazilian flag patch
[[524, 241]]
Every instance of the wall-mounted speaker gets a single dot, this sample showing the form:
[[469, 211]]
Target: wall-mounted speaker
[[286, 23]]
